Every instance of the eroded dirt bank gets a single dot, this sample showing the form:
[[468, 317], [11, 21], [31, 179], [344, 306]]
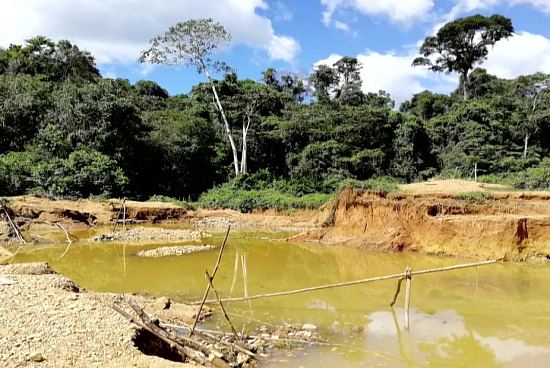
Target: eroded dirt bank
[[501, 225]]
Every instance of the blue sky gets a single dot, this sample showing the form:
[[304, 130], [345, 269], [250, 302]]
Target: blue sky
[[285, 34]]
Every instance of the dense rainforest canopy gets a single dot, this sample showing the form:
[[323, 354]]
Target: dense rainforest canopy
[[67, 131]]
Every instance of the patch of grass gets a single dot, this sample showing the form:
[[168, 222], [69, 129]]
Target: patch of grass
[[174, 201], [495, 179], [474, 197]]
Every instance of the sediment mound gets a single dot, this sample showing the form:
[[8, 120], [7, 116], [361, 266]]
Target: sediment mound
[[174, 251], [499, 225], [140, 234]]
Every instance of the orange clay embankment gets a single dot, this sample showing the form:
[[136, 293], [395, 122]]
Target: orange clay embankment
[[92, 212], [502, 225]]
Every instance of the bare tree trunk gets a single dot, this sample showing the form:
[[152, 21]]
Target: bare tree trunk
[[244, 153], [525, 144], [225, 122], [464, 87]]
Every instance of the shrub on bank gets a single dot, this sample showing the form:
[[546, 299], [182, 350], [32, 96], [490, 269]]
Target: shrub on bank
[[174, 201], [244, 200], [535, 178]]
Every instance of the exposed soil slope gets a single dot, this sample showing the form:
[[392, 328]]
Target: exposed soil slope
[[510, 225], [92, 212]]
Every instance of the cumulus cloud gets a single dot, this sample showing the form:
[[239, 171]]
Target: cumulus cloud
[[398, 11], [466, 6], [116, 31], [525, 53]]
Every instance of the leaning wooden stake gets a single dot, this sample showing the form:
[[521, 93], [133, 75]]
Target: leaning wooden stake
[[397, 291], [408, 282], [209, 279], [209, 284], [350, 283], [14, 227]]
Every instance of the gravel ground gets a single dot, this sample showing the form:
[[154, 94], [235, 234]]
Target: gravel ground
[[152, 234], [45, 323], [173, 251]]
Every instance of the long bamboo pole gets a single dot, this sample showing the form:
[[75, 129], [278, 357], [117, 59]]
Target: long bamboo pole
[[350, 283]]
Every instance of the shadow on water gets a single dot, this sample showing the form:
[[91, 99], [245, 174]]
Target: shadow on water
[[493, 316]]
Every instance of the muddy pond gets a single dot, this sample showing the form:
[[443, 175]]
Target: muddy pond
[[491, 316]]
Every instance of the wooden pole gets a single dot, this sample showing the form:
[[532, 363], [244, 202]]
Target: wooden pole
[[124, 215], [350, 283], [14, 227], [408, 282], [397, 291], [209, 279], [216, 266]]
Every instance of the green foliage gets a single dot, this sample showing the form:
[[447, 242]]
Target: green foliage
[[83, 173], [174, 201], [16, 172], [384, 184], [462, 43], [474, 197], [66, 131], [535, 178], [248, 200]]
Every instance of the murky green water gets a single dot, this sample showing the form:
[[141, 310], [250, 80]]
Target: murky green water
[[492, 316]]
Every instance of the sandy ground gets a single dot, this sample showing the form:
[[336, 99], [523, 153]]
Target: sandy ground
[[45, 323], [451, 186]]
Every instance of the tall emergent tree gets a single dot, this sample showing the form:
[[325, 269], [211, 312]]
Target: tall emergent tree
[[348, 69], [324, 79], [191, 43], [461, 44]]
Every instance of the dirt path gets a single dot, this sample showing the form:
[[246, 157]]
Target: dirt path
[[46, 322]]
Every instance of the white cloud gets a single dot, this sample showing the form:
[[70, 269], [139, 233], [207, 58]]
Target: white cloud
[[466, 6], [395, 74], [283, 48], [524, 53], [398, 11], [116, 31]]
